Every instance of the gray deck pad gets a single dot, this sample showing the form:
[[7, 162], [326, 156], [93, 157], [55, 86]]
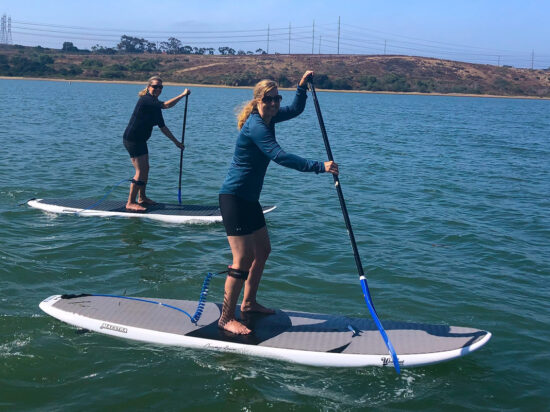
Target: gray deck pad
[[285, 329]]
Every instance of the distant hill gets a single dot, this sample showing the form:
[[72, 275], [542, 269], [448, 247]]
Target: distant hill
[[339, 72]]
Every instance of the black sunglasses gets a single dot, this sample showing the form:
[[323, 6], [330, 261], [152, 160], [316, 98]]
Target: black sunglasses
[[269, 99], [157, 86]]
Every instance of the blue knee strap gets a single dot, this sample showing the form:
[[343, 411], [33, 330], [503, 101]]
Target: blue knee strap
[[237, 274]]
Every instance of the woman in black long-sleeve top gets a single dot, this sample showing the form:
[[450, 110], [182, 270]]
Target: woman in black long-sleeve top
[[146, 115]]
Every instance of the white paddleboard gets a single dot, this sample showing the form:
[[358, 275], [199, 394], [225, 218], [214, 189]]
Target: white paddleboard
[[163, 212], [296, 337]]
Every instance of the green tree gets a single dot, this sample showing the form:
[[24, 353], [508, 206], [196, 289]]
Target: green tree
[[226, 50], [172, 46], [186, 50], [129, 44], [69, 47], [103, 50]]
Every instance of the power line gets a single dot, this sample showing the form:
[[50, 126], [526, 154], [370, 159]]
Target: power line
[[339, 38]]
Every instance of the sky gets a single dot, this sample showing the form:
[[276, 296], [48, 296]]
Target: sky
[[503, 32]]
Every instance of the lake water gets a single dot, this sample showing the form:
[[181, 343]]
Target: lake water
[[449, 200]]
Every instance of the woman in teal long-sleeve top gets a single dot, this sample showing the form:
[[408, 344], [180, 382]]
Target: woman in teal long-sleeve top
[[239, 196]]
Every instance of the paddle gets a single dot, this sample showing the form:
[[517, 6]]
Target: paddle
[[362, 277], [182, 140]]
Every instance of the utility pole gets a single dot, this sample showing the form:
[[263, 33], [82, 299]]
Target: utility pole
[[289, 38], [9, 31], [385, 46], [532, 59], [338, 34], [268, 39], [313, 37]]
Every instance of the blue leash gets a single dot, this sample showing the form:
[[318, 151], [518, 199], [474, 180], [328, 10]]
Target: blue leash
[[200, 307]]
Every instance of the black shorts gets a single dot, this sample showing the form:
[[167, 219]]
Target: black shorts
[[240, 217], [136, 147]]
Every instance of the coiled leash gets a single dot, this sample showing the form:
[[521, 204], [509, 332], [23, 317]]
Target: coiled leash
[[194, 318]]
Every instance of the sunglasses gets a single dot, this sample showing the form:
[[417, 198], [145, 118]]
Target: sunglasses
[[156, 86], [269, 99]]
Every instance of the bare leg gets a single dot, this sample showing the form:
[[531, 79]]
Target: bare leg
[[141, 164], [242, 248], [144, 169], [262, 248], [228, 321]]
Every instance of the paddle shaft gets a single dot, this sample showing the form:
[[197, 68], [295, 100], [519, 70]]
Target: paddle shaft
[[362, 277], [337, 184], [182, 141]]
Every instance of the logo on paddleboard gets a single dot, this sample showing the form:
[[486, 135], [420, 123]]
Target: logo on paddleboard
[[113, 328], [386, 360]]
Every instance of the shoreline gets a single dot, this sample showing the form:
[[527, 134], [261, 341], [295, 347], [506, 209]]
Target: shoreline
[[488, 96]]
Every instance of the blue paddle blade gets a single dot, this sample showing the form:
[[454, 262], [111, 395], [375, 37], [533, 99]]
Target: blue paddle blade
[[379, 324], [179, 196]]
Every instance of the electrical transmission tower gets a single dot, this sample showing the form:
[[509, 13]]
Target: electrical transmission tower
[[5, 35]]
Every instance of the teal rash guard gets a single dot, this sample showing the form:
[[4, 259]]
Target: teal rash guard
[[257, 146]]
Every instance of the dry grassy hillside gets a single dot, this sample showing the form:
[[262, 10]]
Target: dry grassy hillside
[[341, 72]]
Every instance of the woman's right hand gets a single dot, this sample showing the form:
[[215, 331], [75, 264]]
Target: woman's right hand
[[186, 92], [331, 167], [307, 75]]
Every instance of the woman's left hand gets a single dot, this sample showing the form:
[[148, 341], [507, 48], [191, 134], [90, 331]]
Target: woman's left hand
[[186, 92], [180, 145], [307, 74], [331, 167]]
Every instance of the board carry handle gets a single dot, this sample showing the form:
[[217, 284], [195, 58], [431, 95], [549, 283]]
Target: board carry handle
[[362, 278], [182, 141]]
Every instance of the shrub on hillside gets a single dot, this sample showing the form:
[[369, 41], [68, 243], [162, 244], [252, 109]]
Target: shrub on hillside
[[369, 83], [89, 63], [21, 66], [143, 65], [322, 81], [341, 84]]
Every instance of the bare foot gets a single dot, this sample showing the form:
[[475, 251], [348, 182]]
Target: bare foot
[[234, 326], [146, 201], [256, 307], [134, 207]]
